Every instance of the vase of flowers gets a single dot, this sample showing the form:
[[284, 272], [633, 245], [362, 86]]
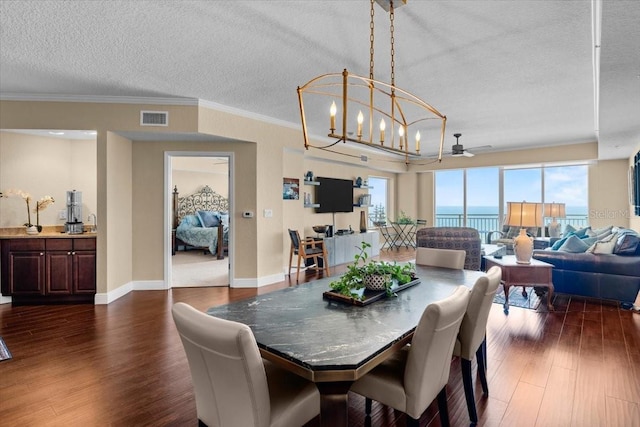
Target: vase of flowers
[[41, 204]]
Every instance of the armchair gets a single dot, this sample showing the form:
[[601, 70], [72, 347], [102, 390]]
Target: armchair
[[465, 238]]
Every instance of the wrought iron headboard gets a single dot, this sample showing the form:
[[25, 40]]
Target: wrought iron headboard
[[203, 200]]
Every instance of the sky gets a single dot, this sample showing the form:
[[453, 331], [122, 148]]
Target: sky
[[563, 184]]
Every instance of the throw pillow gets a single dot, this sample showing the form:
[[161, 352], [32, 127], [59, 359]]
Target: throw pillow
[[627, 244], [560, 242], [604, 246], [574, 244], [582, 232], [569, 229], [209, 219]]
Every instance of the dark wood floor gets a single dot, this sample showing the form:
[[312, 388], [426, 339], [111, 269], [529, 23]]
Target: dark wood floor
[[123, 365]]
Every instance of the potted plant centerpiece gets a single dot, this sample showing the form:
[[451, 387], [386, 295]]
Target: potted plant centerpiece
[[373, 275]]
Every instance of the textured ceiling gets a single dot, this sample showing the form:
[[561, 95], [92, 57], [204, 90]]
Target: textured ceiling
[[510, 74]]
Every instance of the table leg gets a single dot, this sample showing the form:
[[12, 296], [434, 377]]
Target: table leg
[[549, 298], [334, 408], [506, 297]]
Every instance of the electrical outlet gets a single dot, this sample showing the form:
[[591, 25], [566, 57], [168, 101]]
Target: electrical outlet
[[62, 214], [268, 213]]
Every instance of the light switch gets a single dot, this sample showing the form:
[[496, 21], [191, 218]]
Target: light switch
[[268, 213], [62, 214]]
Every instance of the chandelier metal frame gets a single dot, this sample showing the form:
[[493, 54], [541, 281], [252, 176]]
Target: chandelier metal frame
[[380, 100]]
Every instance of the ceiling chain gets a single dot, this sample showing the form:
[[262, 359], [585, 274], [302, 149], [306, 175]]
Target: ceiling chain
[[393, 64], [371, 38]]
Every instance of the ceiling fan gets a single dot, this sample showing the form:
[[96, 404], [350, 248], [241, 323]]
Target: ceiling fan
[[457, 150]]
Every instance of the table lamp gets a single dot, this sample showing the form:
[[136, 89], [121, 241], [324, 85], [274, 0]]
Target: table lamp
[[554, 210], [523, 215]]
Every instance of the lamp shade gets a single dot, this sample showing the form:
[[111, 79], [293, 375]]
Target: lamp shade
[[523, 214], [555, 210]]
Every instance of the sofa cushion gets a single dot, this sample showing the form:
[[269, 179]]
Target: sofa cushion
[[574, 244], [590, 263]]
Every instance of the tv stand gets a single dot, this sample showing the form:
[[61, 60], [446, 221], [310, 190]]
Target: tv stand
[[341, 249]]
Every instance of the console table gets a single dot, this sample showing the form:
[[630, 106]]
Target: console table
[[341, 249]]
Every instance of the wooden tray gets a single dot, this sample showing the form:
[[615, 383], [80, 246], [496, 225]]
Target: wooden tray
[[369, 296]]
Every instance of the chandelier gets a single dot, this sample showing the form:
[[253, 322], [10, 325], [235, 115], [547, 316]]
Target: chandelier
[[397, 121]]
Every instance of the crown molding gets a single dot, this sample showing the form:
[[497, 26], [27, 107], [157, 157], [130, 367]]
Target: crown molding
[[247, 114], [97, 99]]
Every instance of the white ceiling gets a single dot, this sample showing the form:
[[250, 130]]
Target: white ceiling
[[510, 74]]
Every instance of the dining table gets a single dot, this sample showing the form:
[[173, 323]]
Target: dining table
[[334, 343]]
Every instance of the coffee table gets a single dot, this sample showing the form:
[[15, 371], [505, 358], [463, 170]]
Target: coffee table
[[537, 273]]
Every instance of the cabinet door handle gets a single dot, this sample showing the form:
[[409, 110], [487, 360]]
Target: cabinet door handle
[[68, 253], [41, 253], [73, 253]]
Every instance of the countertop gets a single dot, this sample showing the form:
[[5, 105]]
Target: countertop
[[48, 232]]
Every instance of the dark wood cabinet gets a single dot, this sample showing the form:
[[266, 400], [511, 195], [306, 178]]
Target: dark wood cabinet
[[44, 270]]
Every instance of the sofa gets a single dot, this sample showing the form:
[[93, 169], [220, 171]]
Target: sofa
[[602, 263], [453, 238]]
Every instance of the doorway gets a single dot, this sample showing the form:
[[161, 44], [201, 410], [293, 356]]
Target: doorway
[[200, 184]]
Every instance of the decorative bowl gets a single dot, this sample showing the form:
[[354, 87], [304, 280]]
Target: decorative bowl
[[321, 229], [376, 282]]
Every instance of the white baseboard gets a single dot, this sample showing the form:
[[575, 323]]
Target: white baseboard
[[142, 285], [257, 282], [5, 300]]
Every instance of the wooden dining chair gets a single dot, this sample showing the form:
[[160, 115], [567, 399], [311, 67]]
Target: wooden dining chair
[[233, 385], [307, 249], [472, 336], [447, 258], [413, 377]]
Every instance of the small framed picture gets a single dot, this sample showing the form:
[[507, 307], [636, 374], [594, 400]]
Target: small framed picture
[[290, 188]]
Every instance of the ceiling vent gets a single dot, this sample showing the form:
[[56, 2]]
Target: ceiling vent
[[154, 118]]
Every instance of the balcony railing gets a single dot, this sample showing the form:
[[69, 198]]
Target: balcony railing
[[486, 223]]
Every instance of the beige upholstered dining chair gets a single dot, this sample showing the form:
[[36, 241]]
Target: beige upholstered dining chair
[[412, 378], [472, 336], [447, 258], [233, 385]]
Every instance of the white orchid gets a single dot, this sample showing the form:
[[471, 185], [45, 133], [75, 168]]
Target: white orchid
[[41, 204]]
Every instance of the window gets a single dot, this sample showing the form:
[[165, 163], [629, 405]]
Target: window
[[478, 197], [379, 201], [450, 198]]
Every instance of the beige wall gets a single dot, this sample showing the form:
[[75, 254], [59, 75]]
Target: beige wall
[[130, 185], [44, 166], [189, 174], [115, 249], [148, 202], [608, 197]]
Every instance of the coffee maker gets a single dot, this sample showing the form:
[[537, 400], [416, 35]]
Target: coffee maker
[[74, 223]]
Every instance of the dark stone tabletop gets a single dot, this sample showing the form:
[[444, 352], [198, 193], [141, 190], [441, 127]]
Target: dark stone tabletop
[[298, 324]]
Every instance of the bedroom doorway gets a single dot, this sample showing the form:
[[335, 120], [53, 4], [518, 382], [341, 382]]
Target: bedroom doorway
[[200, 195]]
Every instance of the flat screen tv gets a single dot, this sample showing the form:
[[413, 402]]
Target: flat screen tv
[[334, 195]]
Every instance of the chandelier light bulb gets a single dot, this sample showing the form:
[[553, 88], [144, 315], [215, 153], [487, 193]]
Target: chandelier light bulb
[[401, 133], [417, 141], [383, 126], [332, 114], [360, 120]]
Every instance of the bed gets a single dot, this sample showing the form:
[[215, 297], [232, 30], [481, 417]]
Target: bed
[[200, 220]]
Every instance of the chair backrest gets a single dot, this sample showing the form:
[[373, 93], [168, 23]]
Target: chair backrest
[[295, 239], [474, 324], [465, 238], [227, 371], [429, 360], [447, 258]]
